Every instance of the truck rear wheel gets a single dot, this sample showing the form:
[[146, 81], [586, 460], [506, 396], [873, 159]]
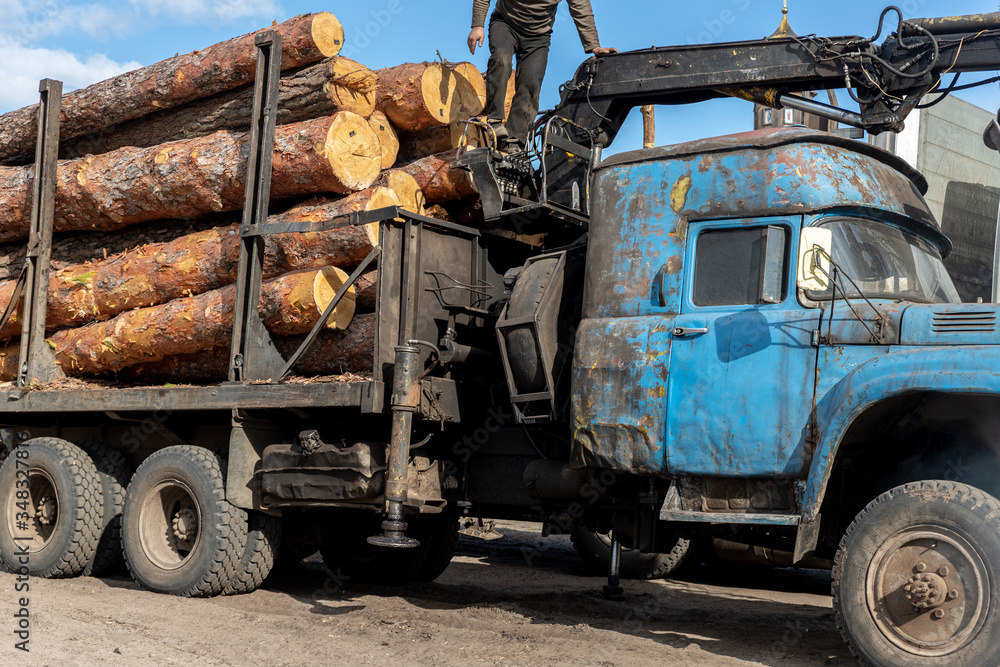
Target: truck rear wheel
[[595, 550], [181, 535], [52, 497], [113, 472], [263, 540], [914, 582]]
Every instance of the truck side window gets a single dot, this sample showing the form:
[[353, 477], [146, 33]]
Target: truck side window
[[743, 266]]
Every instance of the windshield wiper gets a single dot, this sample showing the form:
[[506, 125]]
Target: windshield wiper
[[878, 335]]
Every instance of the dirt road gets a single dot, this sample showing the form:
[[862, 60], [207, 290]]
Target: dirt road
[[520, 600]]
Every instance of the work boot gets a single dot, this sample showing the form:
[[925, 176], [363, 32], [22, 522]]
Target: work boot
[[511, 147], [499, 129]]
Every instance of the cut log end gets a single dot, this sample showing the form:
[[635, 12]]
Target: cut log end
[[419, 95], [352, 86], [439, 87], [325, 286], [381, 197], [471, 89], [327, 34], [387, 137], [406, 188], [353, 150]]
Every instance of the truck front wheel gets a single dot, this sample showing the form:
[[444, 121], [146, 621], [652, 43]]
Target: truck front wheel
[[914, 582], [181, 535]]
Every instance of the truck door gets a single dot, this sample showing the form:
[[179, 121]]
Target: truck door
[[742, 367]]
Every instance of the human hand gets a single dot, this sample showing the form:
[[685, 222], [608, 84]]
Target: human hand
[[604, 50], [476, 38]]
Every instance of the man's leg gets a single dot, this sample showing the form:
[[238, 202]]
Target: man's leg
[[503, 45], [532, 57]]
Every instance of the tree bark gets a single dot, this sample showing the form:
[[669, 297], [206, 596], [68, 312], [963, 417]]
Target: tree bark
[[289, 304], [420, 144], [306, 39], [333, 353], [406, 188], [419, 95], [387, 137], [189, 178], [337, 84], [196, 263], [438, 179]]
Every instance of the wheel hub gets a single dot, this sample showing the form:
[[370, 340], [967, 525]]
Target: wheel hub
[[928, 591], [185, 524], [45, 511]]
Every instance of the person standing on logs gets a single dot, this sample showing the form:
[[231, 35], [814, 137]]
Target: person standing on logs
[[523, 28]]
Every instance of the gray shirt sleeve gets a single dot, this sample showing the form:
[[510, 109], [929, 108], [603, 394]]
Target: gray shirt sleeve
[[479, 10], [583, 15]]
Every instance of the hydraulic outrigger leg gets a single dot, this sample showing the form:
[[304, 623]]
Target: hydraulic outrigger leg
[[405, 401]]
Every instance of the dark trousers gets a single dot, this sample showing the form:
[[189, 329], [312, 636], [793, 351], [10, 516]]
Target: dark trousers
[[532, 56]]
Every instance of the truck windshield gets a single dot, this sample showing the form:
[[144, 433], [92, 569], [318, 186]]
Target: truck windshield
[[886, 262]]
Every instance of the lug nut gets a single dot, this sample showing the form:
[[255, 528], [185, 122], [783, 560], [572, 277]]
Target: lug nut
[[938, 613], [921, 567], [931, 584], [952, 594], [943, 570], [909, 597], [907, 588]]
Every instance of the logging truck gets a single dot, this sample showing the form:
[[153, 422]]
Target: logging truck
[[751, 337]]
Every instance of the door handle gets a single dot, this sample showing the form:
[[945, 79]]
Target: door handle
[[689, 331]]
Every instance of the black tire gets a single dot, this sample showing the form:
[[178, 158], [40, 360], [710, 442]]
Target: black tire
[[345, 550], [114, 473], [915, 579], [263, 542], [595, 550], [442, 533], [65, 530], [181, 535]]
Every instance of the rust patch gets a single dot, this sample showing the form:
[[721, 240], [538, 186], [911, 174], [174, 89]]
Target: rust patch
[[679, 193], [675, 265]]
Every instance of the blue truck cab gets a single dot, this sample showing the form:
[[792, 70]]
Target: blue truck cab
[[846, 423]]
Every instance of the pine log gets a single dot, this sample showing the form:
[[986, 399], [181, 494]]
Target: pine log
[[387, 138], [196, 263], [170, 83], [366, 292], [289, 304], [438, 179], [419, 95], [407, 190], [471, 89], [189, 178], [337, 84], [333, 353], [420, 144]]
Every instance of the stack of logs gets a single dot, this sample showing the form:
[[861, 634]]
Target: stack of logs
[[152, 168]]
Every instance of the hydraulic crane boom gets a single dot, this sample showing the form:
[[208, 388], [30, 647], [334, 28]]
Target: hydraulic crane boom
[[886, 80], [889, 79]]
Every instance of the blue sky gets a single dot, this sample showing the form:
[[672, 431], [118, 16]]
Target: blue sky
[[81, 42]]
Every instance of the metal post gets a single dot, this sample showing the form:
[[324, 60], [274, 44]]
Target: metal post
[[37, 362], [253, 355], [614, 591]]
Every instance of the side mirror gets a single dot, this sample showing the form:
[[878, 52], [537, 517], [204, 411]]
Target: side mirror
[[815, 249]]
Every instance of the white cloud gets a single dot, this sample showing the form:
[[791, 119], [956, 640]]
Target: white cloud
[[197, 10], [22, 67], [34, 21]]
